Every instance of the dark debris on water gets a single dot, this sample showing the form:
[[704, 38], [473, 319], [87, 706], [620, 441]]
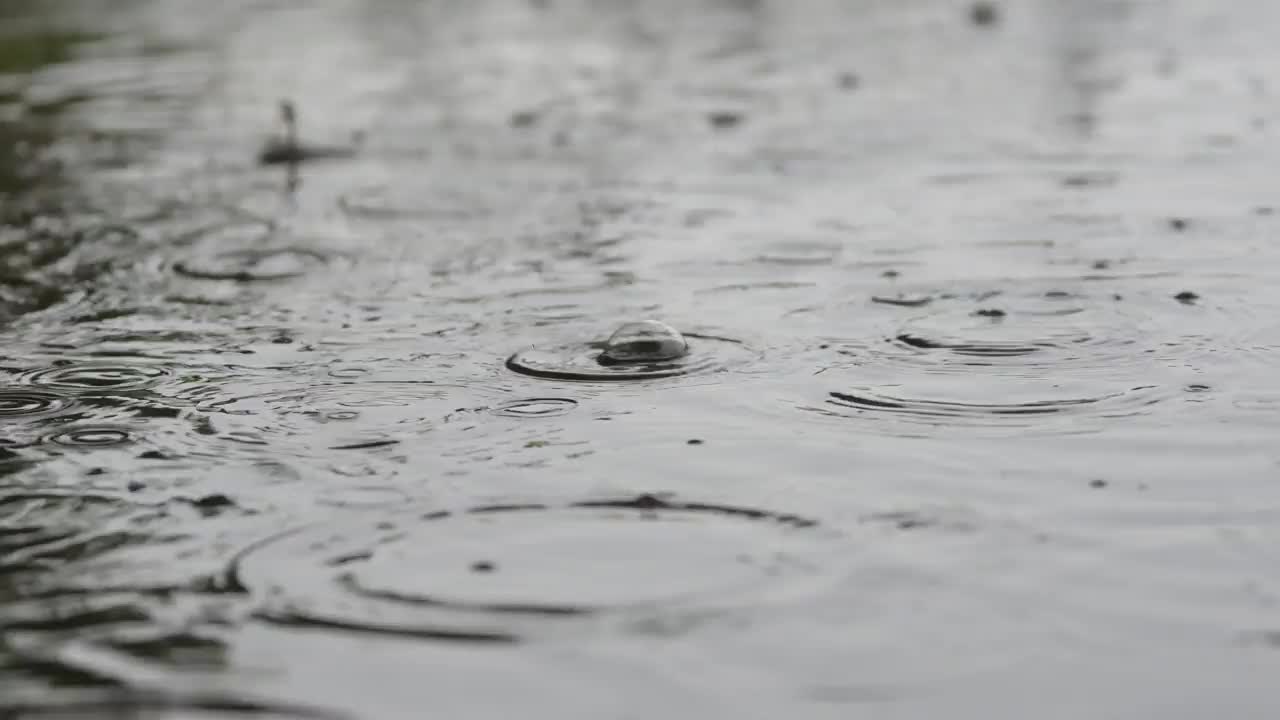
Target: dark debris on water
[[724, 119], [902, 301], [984, 14]]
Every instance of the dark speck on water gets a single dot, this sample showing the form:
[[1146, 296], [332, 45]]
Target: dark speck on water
[[1186, 297], [212, 505], [524, 119], [984, 13], [993, 313], [918, 301], [724, 119]]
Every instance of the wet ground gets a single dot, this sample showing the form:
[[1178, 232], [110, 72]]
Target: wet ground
[[967, 409]]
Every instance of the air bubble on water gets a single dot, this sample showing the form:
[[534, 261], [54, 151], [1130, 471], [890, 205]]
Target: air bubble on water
[[643, 341]]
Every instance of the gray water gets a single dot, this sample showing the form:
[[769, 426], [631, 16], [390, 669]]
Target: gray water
[[977, 417]]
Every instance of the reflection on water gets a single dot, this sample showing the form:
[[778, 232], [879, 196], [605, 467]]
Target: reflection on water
[[716, 359]]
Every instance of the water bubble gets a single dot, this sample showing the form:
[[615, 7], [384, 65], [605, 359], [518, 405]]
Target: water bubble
[[99, 376], [636, 351], [541, 564], [643, 342]]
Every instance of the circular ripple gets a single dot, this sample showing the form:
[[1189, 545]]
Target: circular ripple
[[26, 404], [582, 361], [399, 202], [536, 407], [492, 573], [91, 436], [1037, 334], [1007, 403], [99, 376], [346, 415], [254, 264]]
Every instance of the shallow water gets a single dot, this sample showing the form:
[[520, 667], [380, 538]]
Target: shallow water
[[977, 416]]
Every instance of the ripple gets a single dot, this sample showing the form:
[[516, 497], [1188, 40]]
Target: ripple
[[496, 573], [174, 704], [399, 202], [29, 404], [115, 377], [536, 407], [1031, 334], [346, 415], [91, 436], [254, 264], [1023, 405], [45, 530], [583, 361]]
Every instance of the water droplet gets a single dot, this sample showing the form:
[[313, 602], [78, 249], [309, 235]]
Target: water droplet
[[99, 376], [635, 557], [644, 342]]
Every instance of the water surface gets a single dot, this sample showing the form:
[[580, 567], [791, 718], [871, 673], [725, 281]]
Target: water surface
[[976, 417]]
